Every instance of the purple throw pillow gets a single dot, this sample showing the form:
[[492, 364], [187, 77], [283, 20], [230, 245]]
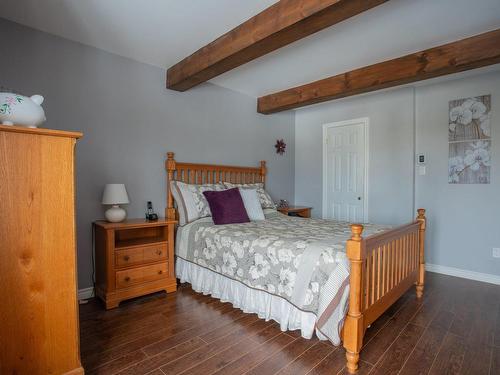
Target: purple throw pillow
[[227, 206]]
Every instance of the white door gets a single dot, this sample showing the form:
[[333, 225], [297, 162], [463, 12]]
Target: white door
[[345, 170]]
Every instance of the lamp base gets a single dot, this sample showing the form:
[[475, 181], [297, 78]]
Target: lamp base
[[115, 214]]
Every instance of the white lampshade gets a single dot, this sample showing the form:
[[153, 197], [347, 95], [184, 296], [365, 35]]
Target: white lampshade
[[115, 194]]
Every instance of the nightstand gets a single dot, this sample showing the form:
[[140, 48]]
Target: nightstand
[[296, 211], [133, 258]]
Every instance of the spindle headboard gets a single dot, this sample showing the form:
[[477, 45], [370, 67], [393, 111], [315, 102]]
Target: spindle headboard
[[208, 174]]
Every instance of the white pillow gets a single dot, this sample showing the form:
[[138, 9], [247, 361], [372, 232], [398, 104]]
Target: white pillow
[[252, 205], [191, 203], [265, 199]]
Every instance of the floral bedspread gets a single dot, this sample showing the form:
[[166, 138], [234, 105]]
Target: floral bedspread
[[272, 254]]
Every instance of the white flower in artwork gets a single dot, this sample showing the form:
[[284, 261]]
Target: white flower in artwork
[[285, 255], [468, 103], [477, 156], [455, 167], [228, 263], [484, 123], [452, 126], [286, 281], [455, 112], [461, 115], [260, 268], [478, 109], [271, 288]]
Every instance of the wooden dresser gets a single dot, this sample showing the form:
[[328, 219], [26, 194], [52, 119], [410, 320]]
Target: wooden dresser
[[133, 258], [39, 309]]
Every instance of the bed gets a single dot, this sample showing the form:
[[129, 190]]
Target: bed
[[323, 277]]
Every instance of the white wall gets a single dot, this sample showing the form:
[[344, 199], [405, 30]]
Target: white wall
[[390, 196], [464, 220]]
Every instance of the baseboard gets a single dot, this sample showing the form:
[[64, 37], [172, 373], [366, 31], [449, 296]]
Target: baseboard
[[465, 274], [86, 293]]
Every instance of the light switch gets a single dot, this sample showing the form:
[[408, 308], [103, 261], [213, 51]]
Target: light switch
[[421, 170]]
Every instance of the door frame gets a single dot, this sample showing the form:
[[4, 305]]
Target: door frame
[[365, 121]]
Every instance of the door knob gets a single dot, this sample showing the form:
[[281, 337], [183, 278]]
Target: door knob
[[359, 198]]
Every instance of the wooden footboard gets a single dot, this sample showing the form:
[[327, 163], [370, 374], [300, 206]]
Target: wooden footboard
[[383, 268]]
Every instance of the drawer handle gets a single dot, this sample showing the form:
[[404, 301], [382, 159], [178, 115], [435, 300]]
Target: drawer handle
[[127, 278], [160, 272], [126, 258], [158, 252]]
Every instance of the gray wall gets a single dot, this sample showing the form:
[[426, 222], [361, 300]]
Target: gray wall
[[464, 222], [130, 121], [390, 194], [463, 219]]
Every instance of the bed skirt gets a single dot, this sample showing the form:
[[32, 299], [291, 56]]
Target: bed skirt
[[249, 300]]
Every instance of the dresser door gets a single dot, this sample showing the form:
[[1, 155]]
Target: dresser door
[[39, 313]]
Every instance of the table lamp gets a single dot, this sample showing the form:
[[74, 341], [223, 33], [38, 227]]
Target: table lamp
[[114, 195]]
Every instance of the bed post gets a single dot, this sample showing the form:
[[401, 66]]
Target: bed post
[[263, 171], [170, 166], [421, 247], [354, 326]]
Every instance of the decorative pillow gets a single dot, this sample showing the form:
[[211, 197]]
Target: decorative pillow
[[265, 199], [227, 206], [191, 203], [252, 204]]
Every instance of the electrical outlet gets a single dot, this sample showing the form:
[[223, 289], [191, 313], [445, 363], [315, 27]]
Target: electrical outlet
[[496, 252]]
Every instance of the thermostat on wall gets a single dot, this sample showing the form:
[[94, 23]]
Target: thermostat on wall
[[421, 164], [421, 159]]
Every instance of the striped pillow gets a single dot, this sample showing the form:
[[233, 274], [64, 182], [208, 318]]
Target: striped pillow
[[191, 203]]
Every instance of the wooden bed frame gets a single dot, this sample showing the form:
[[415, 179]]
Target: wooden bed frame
[[383, 266]]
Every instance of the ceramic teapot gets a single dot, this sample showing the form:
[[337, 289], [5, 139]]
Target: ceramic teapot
[[21, 110]]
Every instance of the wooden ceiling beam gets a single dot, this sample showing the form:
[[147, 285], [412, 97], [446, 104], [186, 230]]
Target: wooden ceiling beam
[[474, 52], [282, 23]]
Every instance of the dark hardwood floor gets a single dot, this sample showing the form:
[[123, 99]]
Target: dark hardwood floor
[[455, 329]]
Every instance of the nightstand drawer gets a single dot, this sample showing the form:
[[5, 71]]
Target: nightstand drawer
[[141, 274], [140, 255]]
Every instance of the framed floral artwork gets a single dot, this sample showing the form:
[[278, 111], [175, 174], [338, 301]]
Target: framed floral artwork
[[469, 138]]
